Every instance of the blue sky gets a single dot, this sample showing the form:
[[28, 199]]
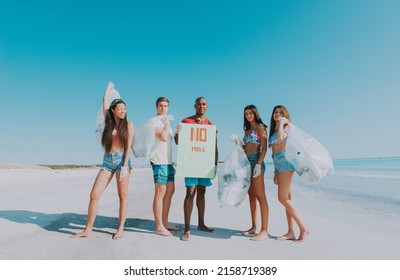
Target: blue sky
[[334, 64]]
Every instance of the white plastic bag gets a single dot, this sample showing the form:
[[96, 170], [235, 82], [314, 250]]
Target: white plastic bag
[[234, 178], [144, 142], [309, 158], [100, 121]]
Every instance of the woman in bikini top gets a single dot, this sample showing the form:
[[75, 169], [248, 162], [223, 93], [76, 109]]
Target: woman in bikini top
[[255, 147], [280, 120]]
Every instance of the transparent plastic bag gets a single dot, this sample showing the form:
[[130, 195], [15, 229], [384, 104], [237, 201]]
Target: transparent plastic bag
[[234, 178], [144, 142], [100, 121], [310, 159]]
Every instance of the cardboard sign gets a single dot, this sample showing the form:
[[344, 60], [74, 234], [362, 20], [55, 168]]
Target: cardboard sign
[[196, 151]]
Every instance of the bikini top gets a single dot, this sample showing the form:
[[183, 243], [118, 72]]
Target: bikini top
[[274, 138], [252, 137]]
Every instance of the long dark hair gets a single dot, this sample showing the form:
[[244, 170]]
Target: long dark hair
[[246, 123], [110, 124], [273, 123]]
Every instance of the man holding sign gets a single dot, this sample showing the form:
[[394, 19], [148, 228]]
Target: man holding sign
[[197, 137]]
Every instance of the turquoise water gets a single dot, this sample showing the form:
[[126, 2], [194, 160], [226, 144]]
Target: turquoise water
[[367, 186], [382, 168]]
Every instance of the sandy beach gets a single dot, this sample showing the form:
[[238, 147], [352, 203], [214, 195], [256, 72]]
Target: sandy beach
[[41, 208]]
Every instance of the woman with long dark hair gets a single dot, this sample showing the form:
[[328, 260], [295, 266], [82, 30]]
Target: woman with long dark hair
[[280, 119], [116, 139], [255, 147]]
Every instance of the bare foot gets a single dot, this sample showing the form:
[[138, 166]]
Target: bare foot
[[260, 236], [82, 234], [171, 227], [164, 232], [287, 236], [249, 231], [302, 236], [118, 234], [185, 236], [205, 228]]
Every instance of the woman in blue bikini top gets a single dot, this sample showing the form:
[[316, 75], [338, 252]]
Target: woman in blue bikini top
[[274, 139], [280, 119], [252, 137], [255, 147]]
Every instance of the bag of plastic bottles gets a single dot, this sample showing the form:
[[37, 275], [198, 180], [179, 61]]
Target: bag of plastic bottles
[[144, 142], [234, 178], [310, 159]]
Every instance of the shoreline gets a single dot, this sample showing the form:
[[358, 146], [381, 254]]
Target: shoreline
[[8, 165]]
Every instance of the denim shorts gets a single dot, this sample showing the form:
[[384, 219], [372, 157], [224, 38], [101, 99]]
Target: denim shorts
[[190, 182], [253, 159], [114, 161], [280, 162], [163, 173]]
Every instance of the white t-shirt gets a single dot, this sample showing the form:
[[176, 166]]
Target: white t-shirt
[[163, 153]]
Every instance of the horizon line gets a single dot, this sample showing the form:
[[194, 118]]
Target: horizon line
[[145, 165]]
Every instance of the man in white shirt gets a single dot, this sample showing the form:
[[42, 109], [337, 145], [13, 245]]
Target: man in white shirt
[[163, 170]]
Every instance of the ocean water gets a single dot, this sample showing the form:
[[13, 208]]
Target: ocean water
[[368, 187]]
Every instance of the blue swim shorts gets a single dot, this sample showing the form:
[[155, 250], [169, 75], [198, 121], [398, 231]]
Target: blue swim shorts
[[253, 159], [190, 182], [114, 161], [280, 162], [163, 174]]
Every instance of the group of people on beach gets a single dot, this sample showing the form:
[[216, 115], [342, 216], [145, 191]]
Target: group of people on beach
[[117, 140]]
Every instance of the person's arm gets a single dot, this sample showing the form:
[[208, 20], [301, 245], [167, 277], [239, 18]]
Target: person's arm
[[131, 135], [261, 131], [282, 134], [125, 168], [216, 155], [106, 95], [237, 141], [177, 130], [216, 152], [163, 133]]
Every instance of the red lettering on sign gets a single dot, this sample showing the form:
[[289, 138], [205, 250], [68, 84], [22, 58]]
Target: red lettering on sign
[[198, 134]]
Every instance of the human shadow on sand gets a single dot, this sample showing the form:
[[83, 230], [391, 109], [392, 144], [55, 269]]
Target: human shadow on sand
[[223, 233], [70, 223]]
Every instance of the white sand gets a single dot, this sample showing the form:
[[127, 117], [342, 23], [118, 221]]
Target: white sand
[[41, 208]]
